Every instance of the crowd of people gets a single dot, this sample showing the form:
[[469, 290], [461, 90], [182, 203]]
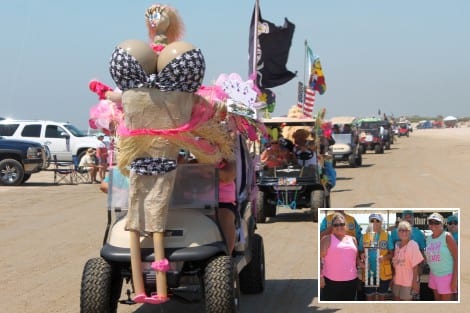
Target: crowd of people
[[388, 263]]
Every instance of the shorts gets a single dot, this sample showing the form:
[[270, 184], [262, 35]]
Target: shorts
[[440, 283], [402, 292], [229, 206], [381, 290]]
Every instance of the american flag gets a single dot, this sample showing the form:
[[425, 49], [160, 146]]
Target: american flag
[[309, 102], [305, 99]]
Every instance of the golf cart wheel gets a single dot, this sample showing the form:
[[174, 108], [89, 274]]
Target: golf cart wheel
[[377, 149], [100, 288], [352, 160], [221, 286], [317, 200], [11, 172], [260, 206], [359, 160], [252, 277]]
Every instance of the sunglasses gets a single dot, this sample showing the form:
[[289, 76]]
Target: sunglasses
[[374, 221], [452, 223], [403, 230], [339, 225], [431, 222]]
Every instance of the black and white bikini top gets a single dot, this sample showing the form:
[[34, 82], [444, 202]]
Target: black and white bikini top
[[183, 73]]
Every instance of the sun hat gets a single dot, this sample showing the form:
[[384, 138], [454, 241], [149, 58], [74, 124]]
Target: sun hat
[[453, 218], [376, 216], [98, 135], [436, 216]]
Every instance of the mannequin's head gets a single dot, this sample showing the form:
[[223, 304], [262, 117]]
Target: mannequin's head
[[171, 52], [163, 20], [142, 52]]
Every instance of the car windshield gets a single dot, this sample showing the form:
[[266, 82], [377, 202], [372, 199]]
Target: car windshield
[[74, 130], [342, 138]]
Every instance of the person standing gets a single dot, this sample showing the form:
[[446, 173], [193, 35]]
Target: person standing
[[416, 234], [102, 157], [379, 238], [352, 226], [406, 259], [453, 227], [338, 262], [442, 258]]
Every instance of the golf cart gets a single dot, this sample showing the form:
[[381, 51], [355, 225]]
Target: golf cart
[[403, 130], [294, 186], [200, 266], [369, 137], [346, 149]]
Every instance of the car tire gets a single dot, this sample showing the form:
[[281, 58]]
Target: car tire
[[26, 176], [100, 288], [221, 286], [253, 276], [11, 172]]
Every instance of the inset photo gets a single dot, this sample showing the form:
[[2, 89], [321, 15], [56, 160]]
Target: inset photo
[[389, 254]]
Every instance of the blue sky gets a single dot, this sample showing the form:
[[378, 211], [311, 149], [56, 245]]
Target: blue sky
[[403, 57]]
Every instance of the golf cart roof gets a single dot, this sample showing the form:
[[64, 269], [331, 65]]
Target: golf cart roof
[[291, 121], [341, 120]]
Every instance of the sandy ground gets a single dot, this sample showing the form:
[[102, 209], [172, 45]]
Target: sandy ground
[[48, 232]]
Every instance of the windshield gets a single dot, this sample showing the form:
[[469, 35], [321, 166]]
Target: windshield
[[342, 138], [369, 125], [74, 130]]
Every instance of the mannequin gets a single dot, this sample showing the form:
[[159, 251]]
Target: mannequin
[[164, 26], [158, 114]]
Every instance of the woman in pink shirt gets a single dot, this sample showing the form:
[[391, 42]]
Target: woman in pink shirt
[[338, 261], [406, 259]]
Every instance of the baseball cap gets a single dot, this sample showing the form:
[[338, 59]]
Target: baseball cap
[[436, 216], [376, 216], [407, 212], [452, 218]]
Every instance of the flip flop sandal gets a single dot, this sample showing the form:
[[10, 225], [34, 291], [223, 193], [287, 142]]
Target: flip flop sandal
[[156, 299]]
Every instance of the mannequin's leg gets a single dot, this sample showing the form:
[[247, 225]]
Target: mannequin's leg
[[159, 248], [136, 265]]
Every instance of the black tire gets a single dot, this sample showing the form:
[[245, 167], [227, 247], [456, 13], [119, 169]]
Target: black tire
[[359, 159], [101, 287], [26, 176], [362, 149], [253, 277], [377, 149], [317, 200], [260, 205], [352, 160], [11, 172], [221, 286], [387, 145]]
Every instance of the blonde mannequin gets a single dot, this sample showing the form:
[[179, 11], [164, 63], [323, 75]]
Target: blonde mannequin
[[152, 103], [164, 26]]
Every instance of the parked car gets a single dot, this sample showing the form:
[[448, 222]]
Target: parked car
[[63, 139], [19, 159]]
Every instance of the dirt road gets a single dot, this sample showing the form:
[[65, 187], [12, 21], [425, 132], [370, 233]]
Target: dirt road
[[48, 232]]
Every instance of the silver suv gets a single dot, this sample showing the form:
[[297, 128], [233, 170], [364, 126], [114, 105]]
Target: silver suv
[[63, 139]]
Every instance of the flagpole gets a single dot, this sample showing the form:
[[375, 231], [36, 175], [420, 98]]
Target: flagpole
[[255, 40], [305, 66]]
